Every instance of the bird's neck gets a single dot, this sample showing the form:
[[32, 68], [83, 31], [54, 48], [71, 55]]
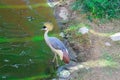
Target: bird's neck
[[46, 38], [46, 35]]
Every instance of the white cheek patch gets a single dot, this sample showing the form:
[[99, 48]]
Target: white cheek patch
[[45, 28]]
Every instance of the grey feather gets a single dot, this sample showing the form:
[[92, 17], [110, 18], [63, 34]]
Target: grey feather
[[56, 43]]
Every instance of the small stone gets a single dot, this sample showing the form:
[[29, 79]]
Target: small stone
[[81, 66], [115, 37], [62, 34], [107, 44], [64, 74], [83, 30], [64, 13]]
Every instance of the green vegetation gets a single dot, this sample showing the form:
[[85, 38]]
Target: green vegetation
[[98, 8], [108, 57]]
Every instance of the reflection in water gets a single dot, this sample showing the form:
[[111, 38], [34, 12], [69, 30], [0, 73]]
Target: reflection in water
[[23, 53]]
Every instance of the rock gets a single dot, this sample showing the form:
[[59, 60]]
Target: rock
[[107, 44], [64, 74], [60, 69], [115, 37], [62, 34], [61, 14], [83, 30], [67, 66]]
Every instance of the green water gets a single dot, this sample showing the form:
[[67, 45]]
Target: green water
[[23, 53]]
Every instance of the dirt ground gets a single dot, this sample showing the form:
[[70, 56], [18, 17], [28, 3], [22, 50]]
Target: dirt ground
[[98, 56], [99, 38]]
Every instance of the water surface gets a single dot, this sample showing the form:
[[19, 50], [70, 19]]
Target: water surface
[[23, 52]]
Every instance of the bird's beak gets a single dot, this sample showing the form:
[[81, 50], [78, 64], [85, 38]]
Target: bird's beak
[[42, 29]]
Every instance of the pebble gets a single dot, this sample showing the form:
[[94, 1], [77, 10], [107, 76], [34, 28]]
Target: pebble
[[107, 44], [83, 30], [64, 13], [115, 37], [62, 34], [64, 74]]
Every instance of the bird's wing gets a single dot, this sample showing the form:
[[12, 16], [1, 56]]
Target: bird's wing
[[56, 43]]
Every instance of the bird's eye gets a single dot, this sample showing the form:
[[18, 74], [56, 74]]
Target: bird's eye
[[44, 26]]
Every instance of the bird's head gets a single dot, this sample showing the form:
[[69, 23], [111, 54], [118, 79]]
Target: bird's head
[[47, 26]]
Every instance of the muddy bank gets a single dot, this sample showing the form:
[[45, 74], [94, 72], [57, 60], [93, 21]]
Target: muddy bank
[[95, 48]]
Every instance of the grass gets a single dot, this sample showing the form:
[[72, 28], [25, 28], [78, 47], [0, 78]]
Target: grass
[[98, 8]]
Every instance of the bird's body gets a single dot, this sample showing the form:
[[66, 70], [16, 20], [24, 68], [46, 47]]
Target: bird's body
[[56, 45]]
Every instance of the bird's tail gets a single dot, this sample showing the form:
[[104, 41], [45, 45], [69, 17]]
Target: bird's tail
[[66, 58]]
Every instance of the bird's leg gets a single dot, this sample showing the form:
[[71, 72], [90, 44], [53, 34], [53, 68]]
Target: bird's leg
[[57, 61], [54, 58]]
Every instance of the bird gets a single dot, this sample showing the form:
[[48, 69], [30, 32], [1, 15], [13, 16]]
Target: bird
[[55, 45]]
